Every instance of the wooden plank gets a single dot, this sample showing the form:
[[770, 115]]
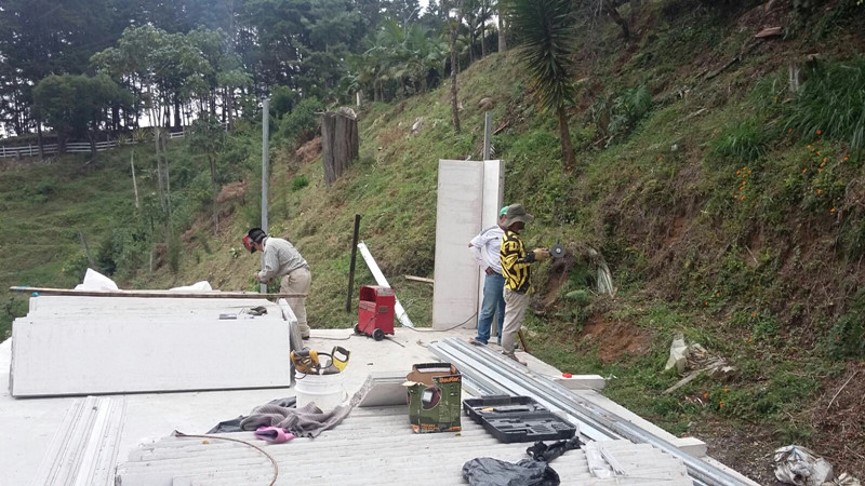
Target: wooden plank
[[151, 293], [419, 279]]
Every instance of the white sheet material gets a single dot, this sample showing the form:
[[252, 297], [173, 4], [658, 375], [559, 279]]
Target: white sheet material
[[94, 280], [203, 286]]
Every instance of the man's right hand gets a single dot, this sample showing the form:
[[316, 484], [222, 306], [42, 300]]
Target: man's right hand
[[541, 254]]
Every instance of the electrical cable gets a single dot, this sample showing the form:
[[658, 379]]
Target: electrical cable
[[446, 329], [229, 439]]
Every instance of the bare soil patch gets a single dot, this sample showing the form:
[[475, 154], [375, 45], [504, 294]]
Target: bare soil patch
[[616, 339]]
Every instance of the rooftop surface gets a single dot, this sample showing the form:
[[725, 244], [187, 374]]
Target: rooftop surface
[[371, 446]]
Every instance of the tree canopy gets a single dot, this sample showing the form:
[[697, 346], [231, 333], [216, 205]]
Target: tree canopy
[[181, 58]]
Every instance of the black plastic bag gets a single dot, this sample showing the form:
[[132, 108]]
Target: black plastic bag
[[487, 471]]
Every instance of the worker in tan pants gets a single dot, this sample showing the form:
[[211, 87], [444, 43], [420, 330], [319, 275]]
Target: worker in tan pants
[[516, 268], [281, 259]]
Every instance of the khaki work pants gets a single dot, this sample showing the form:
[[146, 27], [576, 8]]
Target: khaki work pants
[[297, 282], [515, 311]]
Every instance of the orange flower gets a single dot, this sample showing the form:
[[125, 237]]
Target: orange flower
[[832, 211], [720, 403], [819, 132]]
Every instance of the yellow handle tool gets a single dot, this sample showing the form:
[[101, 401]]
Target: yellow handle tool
[[339, 356]]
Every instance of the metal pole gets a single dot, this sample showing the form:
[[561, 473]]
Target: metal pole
[[351, 265], [488, 128], [265, 128]]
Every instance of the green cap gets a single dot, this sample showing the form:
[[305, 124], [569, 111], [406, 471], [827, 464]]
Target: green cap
[[503, 211]]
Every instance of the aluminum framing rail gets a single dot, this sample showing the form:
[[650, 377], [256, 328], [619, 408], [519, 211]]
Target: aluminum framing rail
[[470, 366], [481, 363]]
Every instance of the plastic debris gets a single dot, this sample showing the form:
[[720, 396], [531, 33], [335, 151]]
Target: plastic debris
[[798, 465], [203, 286], [678, 354], [94, 280], [488, 471]]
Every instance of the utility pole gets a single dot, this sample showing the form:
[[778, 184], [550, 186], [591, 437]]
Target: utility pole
[[488, 128], [265, 129]]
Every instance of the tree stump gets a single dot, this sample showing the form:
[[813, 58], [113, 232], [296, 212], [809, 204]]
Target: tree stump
[[339, 142]]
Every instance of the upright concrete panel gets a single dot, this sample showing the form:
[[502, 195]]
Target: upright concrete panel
[[458, 219], [493, 193]]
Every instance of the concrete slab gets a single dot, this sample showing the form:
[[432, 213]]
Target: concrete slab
[[386, 442], [179, 344]]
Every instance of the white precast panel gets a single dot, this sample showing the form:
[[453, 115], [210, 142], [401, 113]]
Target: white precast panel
[[469, 196]]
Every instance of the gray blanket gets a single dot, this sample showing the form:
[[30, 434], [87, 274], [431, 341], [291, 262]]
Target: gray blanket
[[307, 421]]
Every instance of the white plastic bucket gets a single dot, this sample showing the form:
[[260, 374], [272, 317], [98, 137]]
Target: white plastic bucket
[[326, 391]]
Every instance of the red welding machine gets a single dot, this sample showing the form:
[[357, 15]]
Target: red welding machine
[[375, 311]]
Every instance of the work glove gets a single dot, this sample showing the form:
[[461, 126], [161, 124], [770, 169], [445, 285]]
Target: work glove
[[541, 254]]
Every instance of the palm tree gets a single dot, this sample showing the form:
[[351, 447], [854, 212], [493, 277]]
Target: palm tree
[[546, 38]]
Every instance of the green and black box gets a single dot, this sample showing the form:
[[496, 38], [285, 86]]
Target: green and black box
[[434, 397]]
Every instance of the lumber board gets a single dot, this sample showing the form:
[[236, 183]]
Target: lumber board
[[151, 293]]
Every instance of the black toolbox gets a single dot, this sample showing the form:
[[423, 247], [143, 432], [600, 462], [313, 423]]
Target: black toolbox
[[517, 419], [496, 405]]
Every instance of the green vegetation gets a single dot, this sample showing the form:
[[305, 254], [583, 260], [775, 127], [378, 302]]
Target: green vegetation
[[728, 206]]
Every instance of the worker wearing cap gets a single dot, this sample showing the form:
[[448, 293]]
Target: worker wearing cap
[[281, 259], [516, 268], [485, 248]]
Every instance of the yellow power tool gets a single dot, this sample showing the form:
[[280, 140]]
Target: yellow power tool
[[306, 361]]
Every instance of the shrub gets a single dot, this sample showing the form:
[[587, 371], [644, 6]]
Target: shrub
[[301, 124], [619, 116], [846, 338], [299, 183], [743, 142], [831, 103]]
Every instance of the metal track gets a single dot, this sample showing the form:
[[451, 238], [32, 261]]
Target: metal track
[[493, 372]]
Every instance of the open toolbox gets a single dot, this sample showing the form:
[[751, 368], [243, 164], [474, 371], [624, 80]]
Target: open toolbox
[[517, 419]]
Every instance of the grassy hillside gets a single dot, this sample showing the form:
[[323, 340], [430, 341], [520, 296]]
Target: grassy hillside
[[728, 209], [50, 212]]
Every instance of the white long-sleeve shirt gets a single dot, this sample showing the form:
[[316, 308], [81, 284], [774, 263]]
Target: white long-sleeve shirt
[[280, 258], [486, 246]]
